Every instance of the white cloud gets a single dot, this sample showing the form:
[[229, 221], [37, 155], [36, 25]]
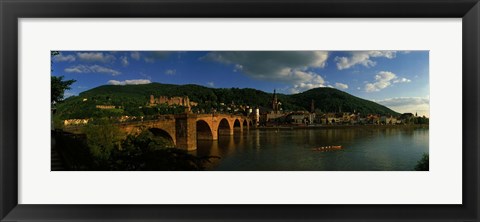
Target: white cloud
[[129, 82], [211, 84], [383, 80], [77, 69], [270, 65], [401, 80], [341, 85], [135, 55], [170, 72], [124, 60], [237, 68], [290, 67], [420, 105], [62, 58], [92, 69], [401, 101], [313, 81], [362, 58], [95, 57]]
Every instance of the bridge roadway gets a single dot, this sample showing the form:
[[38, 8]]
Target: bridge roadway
[[185, 129]]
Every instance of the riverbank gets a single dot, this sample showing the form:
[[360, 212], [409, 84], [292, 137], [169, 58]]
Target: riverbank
[[425, 126]]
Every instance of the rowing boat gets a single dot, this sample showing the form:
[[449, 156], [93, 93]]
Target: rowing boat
[[325, 148]]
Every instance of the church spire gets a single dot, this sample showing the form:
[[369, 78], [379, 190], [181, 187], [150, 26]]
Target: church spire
[[275, 101]]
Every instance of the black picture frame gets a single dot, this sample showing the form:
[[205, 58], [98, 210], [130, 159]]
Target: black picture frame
[[11, 10]]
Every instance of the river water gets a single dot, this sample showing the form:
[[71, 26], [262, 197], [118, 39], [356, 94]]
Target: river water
[[363, 149]]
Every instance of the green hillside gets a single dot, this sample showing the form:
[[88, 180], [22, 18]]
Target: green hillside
[[334, 100], [131, 100]]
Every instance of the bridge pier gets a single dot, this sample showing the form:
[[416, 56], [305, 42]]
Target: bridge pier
[[186, 131], [214, 134]]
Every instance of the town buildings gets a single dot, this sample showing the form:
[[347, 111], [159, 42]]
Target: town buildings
[[272, 115]]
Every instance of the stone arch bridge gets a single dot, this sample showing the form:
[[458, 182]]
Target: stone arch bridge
[[185, 129]]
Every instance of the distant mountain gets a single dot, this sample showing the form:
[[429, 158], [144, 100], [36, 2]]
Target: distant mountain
[[132, 100], [333, 100]]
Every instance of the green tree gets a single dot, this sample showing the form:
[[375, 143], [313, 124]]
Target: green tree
[[145, 151], [102, 138], [146, 141], [423, 164], [58, 87]]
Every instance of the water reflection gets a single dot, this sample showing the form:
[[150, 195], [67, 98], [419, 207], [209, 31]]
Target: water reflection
[[363, 149]]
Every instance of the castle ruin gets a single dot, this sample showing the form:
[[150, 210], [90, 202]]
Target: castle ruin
[[172, 101]]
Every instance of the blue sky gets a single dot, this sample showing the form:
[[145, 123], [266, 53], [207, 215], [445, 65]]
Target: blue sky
[[397, 79]]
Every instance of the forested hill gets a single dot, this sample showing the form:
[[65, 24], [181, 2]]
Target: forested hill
[[132, 100], [334, 100]]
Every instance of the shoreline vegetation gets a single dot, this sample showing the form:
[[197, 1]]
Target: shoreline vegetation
[[423, 164], [112, 151]]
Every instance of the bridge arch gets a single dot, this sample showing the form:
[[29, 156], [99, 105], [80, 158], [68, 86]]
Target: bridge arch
[[204, 130], [165, 135], [237, 125], [224, 127], [246, 124]]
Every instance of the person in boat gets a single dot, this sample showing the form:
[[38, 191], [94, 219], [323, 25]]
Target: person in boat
[[327, 148]]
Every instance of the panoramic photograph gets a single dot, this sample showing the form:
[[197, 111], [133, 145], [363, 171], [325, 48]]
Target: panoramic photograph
[[240, 110]]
